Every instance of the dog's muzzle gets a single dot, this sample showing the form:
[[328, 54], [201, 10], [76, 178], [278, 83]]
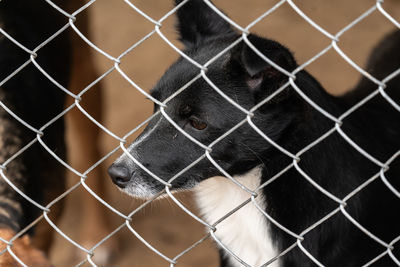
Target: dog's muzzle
[[120, 175]]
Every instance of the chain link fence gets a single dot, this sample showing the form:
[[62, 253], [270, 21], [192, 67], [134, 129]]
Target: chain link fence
[[211, 229]]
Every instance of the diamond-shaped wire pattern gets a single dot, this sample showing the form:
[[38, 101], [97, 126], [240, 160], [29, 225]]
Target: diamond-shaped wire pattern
[[337, 123]]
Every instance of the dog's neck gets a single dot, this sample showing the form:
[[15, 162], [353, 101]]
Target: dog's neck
[[245, 232]]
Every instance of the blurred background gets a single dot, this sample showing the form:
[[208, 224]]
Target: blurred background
[[114, 27]]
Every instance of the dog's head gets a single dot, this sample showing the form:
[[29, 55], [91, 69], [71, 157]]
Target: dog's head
[[200, 111]]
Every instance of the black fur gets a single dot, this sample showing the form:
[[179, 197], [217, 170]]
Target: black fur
[[291, 122], [36, 100]]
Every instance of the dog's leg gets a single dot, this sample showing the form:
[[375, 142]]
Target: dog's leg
[[84, 149], [14, 210], [54, 179], [37, 174], [84, 153]]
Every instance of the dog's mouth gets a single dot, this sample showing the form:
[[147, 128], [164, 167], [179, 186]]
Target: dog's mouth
[[143, 186], [133, 184], [145, 191], [137, 188]]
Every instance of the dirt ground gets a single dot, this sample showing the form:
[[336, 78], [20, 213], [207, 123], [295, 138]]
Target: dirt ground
[[115, 27]]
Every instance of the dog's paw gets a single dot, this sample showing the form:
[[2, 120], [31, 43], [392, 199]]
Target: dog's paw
[[23, 249], [105, 254]]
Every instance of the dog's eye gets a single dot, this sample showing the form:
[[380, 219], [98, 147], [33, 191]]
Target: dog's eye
[[197, 124]]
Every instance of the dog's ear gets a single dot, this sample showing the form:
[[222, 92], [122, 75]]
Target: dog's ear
[[259, 75], [198, 22]]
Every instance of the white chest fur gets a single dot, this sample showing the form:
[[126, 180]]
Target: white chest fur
[[245, 232]]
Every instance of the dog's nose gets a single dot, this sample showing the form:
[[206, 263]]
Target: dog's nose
[[119, 175]]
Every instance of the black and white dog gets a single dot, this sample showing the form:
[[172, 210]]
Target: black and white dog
[[291, 122]]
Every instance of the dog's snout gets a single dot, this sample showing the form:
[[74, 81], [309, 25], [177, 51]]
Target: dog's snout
[[120, 175]]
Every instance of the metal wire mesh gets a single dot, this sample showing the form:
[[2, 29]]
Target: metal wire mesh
[[337, 123]]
